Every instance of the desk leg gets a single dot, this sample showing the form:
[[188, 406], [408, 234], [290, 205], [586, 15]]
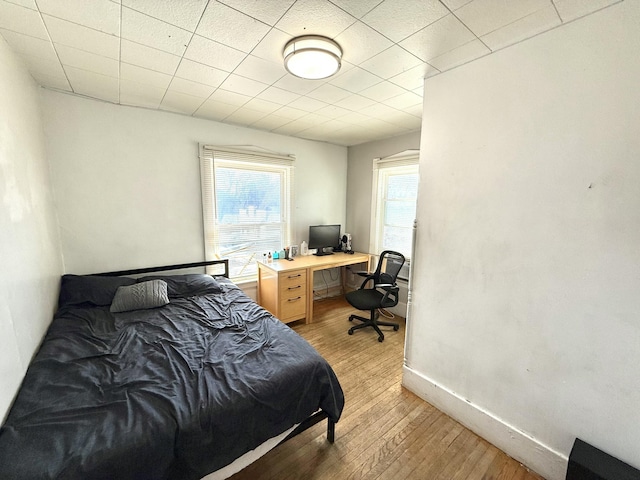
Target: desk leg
[[309, 317]]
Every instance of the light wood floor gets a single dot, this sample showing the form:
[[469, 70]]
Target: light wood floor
[[385, 432]]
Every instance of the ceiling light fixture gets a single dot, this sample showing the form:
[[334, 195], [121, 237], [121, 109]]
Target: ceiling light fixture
[[312, 57]]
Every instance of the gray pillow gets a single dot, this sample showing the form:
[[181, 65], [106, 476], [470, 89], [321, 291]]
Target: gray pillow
[[140, 296]]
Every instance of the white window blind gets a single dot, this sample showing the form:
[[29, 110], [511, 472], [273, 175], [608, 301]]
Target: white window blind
[[246, 205], [395, 191]]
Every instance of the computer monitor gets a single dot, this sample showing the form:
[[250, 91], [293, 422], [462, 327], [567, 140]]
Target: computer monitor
[[323, 236]]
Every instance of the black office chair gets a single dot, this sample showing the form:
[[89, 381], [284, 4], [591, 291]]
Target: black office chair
[[382, 293]]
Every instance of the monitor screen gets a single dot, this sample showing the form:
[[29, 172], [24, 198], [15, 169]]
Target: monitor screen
[[323, 236]]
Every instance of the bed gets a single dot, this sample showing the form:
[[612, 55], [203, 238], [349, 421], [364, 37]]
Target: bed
[[161, 377]]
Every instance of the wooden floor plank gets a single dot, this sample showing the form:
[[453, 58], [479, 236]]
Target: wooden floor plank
[[386, 432]]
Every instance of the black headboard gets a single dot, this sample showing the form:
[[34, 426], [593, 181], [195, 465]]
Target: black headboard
[[180, 266]]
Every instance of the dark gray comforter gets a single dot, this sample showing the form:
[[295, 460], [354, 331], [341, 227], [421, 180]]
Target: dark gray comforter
[[172, 392]]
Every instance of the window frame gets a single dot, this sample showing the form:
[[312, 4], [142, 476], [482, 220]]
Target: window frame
[[383, 168], [242, 158]]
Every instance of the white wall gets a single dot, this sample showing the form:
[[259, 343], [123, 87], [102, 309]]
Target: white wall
[[359, 192], [127, 181], [525, 323], [29, 243]]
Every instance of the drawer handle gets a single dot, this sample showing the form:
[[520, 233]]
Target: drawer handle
[[295, 276], [294, 299], [293, 288]]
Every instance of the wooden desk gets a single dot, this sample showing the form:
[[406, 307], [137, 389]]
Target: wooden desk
[[285, 288]]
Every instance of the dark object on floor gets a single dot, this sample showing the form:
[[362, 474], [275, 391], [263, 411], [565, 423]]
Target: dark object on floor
[[586, 462], [381, 293]]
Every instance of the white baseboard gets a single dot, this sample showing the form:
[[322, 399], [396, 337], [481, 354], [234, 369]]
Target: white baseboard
[[543, 460]]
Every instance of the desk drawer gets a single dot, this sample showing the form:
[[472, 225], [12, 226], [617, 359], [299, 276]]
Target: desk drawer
[[293, 308], [292, 279]]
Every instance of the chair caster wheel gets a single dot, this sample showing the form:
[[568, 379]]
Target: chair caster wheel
[[395, 328], [350, 332], [380, 339]]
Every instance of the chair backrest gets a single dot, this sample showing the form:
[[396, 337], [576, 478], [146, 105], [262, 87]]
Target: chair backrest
[[389, 265]]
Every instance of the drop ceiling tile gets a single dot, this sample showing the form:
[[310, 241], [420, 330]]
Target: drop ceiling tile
[[141, 28], [215, 110], [307, 104], [360, 42], [214, 54], [144, 76], [195, 89], [244, 116], [297, 85], [184, 14], [356, 102], [484, 16], [311, 120], [93, 84], [201, 73], [83, 38], [572, 9], [404, 120], [314, 17], [231, 27], [143, 94], [22, 20], [391, 62], [55, 82], [379, 110], [27, 45], [230, 98], [455, 4], [245, 86], [262, 105], [357, 9], [404, 100], [356, 119], [25, 3], [278, 95], [333, 111], [87, 61], [540, 21], [139, 95], [414, 77], [328, 93], [290, 112], [43, 66], [270, 122], [355, 80], [415, 110], [271, 46], [256, 67], [147, 57], [460, 55], [398, 19], [382, 91], [438, 38], [290, 128], [103, 14], [180, 103], [268, 12]]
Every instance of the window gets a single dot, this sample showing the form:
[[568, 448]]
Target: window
[[395, 191], [246, 203]]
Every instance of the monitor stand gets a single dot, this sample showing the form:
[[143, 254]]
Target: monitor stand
[[320, 252]]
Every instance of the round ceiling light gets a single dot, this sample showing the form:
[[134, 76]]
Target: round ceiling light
[[312, 57]]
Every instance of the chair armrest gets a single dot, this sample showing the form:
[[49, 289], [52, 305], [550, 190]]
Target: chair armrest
[[363, 273]]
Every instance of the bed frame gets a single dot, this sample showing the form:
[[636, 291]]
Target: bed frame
[[306, 424]]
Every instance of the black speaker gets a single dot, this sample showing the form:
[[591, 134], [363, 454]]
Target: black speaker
[[586, 462]]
